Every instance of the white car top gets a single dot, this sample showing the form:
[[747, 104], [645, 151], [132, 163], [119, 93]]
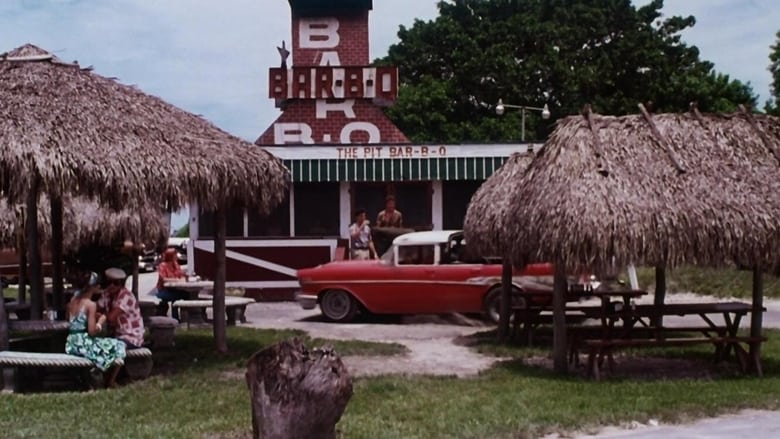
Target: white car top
[[428, 237]]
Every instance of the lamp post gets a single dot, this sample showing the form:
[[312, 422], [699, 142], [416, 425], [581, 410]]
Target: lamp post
[[501, 107], [506, 271]]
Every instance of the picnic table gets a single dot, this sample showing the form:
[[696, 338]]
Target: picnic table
[[621, 324], [638, 328], [192, 287], [526, 314]]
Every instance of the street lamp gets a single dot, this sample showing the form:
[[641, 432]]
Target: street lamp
[[501, 107]]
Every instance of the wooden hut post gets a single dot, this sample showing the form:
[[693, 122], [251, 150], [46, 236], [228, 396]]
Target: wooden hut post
[[21, 251], [136, 253], [560, 360], [506, 300], [34, 252], [660, 292], [756, 318], [58, 288], [3, 323], [218, 306]]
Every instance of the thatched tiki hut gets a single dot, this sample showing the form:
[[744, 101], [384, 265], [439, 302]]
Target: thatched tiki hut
[[87, 223], [68, 130], [483, 223], [657, 190]]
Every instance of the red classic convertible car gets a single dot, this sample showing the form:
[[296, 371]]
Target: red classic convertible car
[[421, 273]]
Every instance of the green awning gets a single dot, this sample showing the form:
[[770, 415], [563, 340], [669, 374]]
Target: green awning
[[450, 168]]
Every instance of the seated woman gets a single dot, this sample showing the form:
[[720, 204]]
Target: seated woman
[[85, 325], [168, 270]]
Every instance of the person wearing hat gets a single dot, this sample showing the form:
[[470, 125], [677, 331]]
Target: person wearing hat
[[124, 314]]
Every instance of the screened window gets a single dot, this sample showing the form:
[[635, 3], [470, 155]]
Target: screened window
[[234, 226], [316, 209], [456, 196], [275, 224]]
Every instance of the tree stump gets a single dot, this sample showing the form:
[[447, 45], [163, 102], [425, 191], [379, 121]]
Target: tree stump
[[297, 393]]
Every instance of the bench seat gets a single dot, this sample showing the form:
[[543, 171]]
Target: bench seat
[[137, 363], [234, 308], [598, 348], [40, 359]]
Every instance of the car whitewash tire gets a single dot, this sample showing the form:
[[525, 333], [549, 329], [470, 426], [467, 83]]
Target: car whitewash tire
[[492, 302], [338, 306]]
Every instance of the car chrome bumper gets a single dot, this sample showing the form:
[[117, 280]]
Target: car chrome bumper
[[307, 301]]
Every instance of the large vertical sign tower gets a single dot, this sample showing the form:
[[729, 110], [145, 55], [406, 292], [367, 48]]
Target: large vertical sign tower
[[331, 94]]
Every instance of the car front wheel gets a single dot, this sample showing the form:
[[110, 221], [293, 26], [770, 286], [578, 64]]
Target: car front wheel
[[492, 305], [338, 306]]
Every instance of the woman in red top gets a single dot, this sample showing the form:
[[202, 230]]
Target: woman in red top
[[169, 269]]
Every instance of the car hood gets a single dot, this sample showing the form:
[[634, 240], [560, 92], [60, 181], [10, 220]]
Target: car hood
[[338, 265]]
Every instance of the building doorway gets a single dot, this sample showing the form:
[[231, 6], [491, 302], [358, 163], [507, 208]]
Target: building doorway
[[413, 200]]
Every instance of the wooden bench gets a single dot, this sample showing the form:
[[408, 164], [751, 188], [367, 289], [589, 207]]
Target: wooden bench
[[597, 348], [137, 363], [577, 335], [192, 311]]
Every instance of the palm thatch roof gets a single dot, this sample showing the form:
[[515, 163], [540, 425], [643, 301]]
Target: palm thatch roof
[[658, 190], [86, 222], [486, 210], [80, 132]]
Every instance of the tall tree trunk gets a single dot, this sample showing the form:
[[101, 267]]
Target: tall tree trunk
[[34, 252], [660, 292], [560, 360], [297, 393], [58, 288], [506, 300], [218, 306]]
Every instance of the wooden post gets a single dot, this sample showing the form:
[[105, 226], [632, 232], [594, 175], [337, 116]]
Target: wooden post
[[58, 288], [136, 273], [34, 252], [297, 393], [560, 360], [756, 318], [21, 251], [3, 323], [506, 300], [218, 305], [660, 292]]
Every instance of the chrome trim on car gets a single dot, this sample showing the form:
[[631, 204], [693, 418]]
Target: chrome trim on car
[[307, 301]]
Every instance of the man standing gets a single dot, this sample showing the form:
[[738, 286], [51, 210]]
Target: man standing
[[361, 245], [389, 217], [124, 314]]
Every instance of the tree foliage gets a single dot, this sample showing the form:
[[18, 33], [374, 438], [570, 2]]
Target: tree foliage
[[773, 106], [566, 53]]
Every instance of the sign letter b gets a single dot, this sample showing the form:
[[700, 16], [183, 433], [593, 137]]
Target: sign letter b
[[318, 33]]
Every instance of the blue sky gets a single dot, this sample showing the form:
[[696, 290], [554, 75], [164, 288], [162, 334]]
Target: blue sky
[[212, 57]]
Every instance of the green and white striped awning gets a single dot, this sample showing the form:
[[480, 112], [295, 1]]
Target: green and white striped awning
[[395, 162], [454, 168]]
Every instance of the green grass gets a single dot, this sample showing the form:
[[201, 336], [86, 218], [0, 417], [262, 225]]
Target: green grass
[[720, 282], [203, 394]]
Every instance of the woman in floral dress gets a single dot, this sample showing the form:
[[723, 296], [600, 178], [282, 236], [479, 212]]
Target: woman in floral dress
[[85, 325]]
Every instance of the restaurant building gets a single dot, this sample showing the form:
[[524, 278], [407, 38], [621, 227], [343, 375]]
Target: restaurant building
[[342, 153]]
